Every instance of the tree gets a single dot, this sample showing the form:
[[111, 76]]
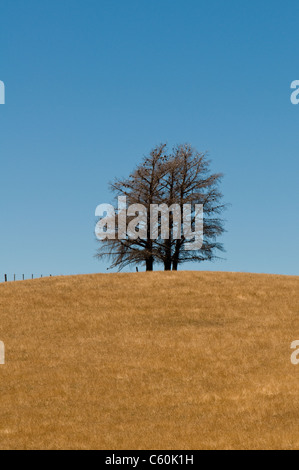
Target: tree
[[165, 184], [142, 187], [189, 181]]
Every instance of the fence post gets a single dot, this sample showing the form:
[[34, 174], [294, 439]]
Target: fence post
[[5, 277]]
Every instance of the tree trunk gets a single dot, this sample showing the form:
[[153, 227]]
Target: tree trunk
[[176, 256], [167, 265], [150, 264], [175, 265]]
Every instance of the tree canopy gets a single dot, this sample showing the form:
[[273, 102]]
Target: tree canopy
[[170, 187]]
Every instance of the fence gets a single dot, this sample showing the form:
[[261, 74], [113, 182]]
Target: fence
[[22, 277]]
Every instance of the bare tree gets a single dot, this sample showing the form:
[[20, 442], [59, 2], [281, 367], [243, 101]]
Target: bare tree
[[189, 181], [164, 184], [142, 187]]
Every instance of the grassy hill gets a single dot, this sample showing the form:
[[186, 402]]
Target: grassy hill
[[150, 361]]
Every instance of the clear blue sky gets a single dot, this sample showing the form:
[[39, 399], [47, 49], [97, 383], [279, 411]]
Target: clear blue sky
[[93, 85]]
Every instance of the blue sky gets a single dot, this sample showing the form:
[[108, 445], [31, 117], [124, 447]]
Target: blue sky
[[93, 85]]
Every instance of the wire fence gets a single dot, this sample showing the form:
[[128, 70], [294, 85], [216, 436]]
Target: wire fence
[[22, 277]]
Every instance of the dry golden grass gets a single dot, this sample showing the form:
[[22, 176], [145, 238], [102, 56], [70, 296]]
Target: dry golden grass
[[150, 361]]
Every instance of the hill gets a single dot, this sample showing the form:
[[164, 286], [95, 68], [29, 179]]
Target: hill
[[193, 360]]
